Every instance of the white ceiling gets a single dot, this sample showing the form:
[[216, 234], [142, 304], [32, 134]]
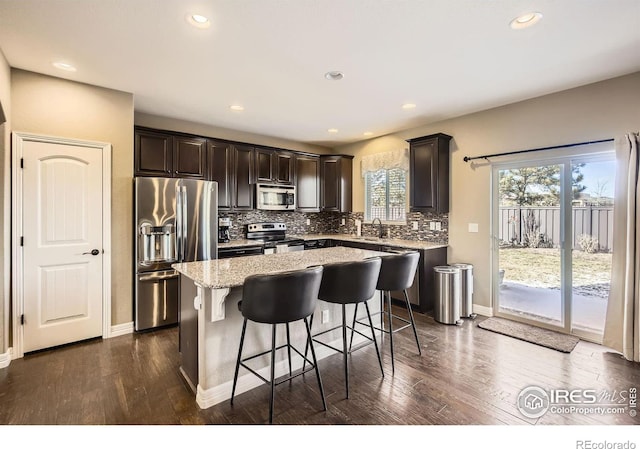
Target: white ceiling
[[449, 57]]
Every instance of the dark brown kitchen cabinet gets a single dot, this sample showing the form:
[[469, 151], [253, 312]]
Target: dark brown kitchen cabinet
[[307, 174], [221, 156], [243, 183], [189, 157], [158, 153], [153, 153], [429, 173], [335, 186], [274, 166], [232, 167]]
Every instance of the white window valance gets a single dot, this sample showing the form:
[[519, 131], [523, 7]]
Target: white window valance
[[388, 160]]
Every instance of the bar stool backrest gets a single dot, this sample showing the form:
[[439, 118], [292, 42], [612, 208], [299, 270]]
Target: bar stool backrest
[[281, 297], [350, 282], [397, 271]]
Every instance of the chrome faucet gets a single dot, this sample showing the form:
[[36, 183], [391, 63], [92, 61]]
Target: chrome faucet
[[379, 226]]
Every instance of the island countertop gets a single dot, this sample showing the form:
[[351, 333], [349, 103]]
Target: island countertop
[[226, 273]]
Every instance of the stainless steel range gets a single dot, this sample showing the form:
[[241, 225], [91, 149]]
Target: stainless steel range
[[274, 236]]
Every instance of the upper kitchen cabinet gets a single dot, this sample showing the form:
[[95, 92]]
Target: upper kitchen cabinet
[[189, 157], [153, 153], [429, 171], [274, 166], [232, 167], [221, 155], [307, 174], [336, 183], [158, 153]]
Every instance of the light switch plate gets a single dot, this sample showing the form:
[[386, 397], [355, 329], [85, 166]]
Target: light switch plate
[[308, 221], [473, 227], [432, 225], [414, 225], [438, 226]]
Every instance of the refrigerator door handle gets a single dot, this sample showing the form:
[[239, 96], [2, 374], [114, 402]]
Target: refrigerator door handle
[[184, 222], [178, 224]]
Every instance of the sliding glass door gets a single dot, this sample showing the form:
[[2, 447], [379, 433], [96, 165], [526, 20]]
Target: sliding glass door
[[552, 223]]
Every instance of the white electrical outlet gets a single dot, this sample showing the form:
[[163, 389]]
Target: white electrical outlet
[[438, 226], [473, 227], [324, 318], [308, 221], [344, 222], [414, 225], [432, 225]]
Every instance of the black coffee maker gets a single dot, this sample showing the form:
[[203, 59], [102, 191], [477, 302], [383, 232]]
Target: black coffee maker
[[223, 229]]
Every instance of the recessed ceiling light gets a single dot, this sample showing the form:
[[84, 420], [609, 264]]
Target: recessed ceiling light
[[334, 76], [367, 133], [332, 130], [408, 106], [525, 20], [198, 20], [64, 66], [236, 107]]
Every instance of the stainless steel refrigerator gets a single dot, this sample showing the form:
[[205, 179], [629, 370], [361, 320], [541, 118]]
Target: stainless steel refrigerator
[[176, 220]]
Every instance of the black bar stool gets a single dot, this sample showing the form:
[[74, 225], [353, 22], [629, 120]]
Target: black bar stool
[[349, 283], [397, 273], [275, 299]]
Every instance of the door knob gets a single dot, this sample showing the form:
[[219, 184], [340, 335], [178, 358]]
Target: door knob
[[93, 252]]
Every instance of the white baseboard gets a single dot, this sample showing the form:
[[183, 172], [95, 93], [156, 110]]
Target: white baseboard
[[482, 310], [5, 358], [220, 393], [121, 329]]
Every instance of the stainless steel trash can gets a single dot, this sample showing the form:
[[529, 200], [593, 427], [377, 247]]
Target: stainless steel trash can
[[448, 282], [466, 292]]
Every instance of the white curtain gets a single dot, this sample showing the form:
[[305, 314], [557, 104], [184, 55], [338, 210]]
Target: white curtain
[[388, 160], [622, 326]]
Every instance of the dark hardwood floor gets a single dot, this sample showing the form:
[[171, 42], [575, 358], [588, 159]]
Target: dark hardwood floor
[[466, 375]]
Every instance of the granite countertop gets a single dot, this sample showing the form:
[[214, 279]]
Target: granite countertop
[[226, 273], [397, 243], [240, 243]]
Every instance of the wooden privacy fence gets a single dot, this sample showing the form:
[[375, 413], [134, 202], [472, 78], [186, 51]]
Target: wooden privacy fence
[[596, 221]]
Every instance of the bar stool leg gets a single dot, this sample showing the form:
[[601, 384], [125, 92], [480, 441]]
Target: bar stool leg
[[273, 372], [235, 376], [315, 363], [393, 367], [413, 324], [344, 348], [373, 334], [306, 347], [353, 326], [289, 351]]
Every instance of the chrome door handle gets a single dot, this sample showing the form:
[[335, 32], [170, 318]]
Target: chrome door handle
[[93, 252]]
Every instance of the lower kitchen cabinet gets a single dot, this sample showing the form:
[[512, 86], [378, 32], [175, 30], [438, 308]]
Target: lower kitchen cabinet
[[422, 294]]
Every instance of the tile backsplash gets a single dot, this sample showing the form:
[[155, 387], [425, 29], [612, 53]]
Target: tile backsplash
[[331, 223]]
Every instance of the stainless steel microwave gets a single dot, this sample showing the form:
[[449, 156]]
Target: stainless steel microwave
[[275, 197]]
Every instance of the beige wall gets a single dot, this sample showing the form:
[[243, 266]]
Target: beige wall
[[199, 129], [5, 208], [57, 107], [598, 111]]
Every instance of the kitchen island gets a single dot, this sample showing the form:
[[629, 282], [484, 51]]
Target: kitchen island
[[210, 322]]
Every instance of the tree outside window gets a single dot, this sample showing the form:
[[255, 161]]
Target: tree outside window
[[385, 195]]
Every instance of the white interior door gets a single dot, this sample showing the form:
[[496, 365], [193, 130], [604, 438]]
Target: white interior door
[[62, 207]]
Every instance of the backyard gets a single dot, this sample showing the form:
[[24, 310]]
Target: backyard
[[540, 267], [531, 286]]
